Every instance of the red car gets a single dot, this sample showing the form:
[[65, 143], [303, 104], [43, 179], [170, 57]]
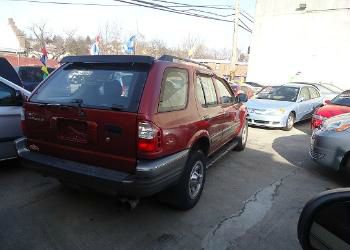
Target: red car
[[339, 105], [242, 88], [175, 119]]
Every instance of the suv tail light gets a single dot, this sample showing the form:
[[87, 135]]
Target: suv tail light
[[149, 137]]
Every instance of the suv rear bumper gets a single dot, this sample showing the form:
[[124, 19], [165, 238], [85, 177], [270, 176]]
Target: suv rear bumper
[[151, 176]]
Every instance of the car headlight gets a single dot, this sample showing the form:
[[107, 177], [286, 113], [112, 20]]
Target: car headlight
[[337, 126]]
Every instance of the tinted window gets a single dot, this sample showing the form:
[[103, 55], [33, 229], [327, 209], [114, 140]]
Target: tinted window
[[304, 94], [209, 90], [7, 95], [314, 93], [343, 99], [225, 95], [174, 90], [95, 85]]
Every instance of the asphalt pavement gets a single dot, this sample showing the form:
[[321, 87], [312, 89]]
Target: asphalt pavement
[[251, 200]]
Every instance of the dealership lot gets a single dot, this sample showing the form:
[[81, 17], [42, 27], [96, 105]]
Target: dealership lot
[[251, 200]]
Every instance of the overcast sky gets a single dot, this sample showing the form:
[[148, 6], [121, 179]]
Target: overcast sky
[[172, 28]]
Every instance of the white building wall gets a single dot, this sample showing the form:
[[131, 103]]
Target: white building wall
[[314, 42]]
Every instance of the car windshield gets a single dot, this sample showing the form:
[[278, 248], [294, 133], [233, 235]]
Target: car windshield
[[279, 93], [108, 86], [343, 99], [32, 74]]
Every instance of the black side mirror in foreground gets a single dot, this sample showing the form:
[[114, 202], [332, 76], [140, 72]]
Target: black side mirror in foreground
[[325, 221], [241, 97]]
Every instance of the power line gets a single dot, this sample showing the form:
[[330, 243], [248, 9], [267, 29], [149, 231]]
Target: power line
[[219, 7], [247, 17], [70, 3], [150, 5], [167, 9]]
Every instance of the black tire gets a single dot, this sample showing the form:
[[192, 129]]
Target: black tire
[[242, 138], [290, 122], [180, 196]]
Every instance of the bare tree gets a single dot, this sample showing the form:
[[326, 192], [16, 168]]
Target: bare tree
[[110, 38], [41, 33]]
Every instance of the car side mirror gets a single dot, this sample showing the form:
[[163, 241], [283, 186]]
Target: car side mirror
[[327, 102], [301, 99], [241, 97], [325, 221], [19, 98]]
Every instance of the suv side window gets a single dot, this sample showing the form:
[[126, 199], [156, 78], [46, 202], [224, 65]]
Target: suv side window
[[225, 95], [174, 90], [314, 93], [7, 95], [208, 88], [305, 94]]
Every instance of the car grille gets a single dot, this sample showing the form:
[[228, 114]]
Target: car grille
[[261, 122], [315, 155]]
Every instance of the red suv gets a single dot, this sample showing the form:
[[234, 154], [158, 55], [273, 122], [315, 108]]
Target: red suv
[[132, 125]]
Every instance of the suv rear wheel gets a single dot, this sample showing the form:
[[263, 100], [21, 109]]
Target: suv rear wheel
[[188, 190]]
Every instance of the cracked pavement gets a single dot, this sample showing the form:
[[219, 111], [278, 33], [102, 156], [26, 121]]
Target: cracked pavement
[[251, 200]]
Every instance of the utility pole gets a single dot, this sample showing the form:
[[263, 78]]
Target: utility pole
[[235, 34]]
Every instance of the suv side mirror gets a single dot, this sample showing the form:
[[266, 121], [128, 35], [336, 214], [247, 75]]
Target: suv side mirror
[[241, 97], [19, 98], [325, 221]]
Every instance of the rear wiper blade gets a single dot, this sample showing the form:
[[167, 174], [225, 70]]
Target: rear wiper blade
[[73, 103]]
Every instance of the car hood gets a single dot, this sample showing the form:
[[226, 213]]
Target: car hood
[[330, 110], [267, 104]]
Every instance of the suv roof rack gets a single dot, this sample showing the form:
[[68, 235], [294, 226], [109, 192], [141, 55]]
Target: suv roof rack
[[170, 58], [108, 59]]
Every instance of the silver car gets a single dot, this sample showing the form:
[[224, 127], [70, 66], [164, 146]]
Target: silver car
[[11, 99], [282, 106], [330, 144]]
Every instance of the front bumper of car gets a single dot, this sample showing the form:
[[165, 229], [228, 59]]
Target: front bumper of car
[[328, 148], [262, 120]]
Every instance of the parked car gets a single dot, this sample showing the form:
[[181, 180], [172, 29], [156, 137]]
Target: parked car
[[282, 106], [256, 86], [330, 144], [242, 88], [31, 76], [160, 136], [11, 100], [339, 105], [327, 90]]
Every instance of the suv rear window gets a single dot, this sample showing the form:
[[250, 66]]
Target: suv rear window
[[101, 86]]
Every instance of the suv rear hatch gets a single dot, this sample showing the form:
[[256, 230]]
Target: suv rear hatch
[[87, 111]]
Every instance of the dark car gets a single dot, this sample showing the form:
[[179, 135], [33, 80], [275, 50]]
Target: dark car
[[31, 76], [132, 125]]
